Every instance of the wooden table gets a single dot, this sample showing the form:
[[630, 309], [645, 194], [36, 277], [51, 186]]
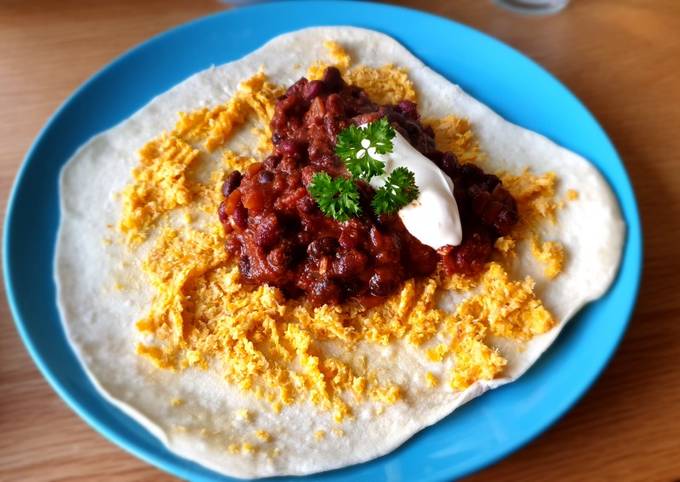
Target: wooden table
[[621, 57]]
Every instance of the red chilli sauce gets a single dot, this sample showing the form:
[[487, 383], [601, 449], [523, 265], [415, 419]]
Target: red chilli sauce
[[281, 238]]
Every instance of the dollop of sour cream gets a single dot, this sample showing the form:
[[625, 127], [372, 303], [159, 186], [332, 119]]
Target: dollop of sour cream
[[432, 218]]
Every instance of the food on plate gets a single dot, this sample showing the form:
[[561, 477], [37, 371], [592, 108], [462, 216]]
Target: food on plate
[[300, 259], [297, 222]]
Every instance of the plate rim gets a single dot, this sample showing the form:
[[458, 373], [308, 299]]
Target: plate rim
[[150, 456]]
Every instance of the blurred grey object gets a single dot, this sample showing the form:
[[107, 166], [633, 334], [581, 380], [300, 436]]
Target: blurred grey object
[[537, 7]]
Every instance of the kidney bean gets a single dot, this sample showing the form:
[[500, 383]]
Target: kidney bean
[[325, 291], [383, 282], [240, 216], [271, 162], [333, 79], [267, 231], [350, 263], [265, 177], [233, 181], [313, 89], [222, 213], [288, 148], [321, 247], [408, 109]]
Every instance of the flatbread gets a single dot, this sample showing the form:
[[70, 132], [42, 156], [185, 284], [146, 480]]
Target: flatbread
[[99, 320]]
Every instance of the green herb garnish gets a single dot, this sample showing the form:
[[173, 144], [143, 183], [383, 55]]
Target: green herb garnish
[[357, 148], [399, 190], [337, 197]]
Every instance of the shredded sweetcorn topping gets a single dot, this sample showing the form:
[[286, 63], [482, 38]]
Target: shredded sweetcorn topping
[[213, 127], [431, 380], [536, 202], [163, 180], [245, 448], [263, 435], [384, 85], [454, 134], [507, 308], [202, 312], [337, 52], [244, 415], [535, 196], [551, 254], [572, 195], [387, 84], [271, 347], [160, 184], [202, 316]]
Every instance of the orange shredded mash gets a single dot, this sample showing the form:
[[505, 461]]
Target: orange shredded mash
[[263, 435], [431, 379], [508, 308], [384, 85], [214, 126], [163, 181], [202, 316], [536, 202], [550, 253], [159, 184], [454, 134], [535, 196]]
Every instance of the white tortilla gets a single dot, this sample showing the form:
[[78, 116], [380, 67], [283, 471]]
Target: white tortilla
[[99, 321]]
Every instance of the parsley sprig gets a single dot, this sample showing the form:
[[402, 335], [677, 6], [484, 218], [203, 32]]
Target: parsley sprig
[[357, 148], [338, 197], [399, 190]]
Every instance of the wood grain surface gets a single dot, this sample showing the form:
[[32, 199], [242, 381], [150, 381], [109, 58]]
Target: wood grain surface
[[621, 57]]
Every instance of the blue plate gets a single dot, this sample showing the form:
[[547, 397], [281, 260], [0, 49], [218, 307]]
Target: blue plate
[[478, 434]]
